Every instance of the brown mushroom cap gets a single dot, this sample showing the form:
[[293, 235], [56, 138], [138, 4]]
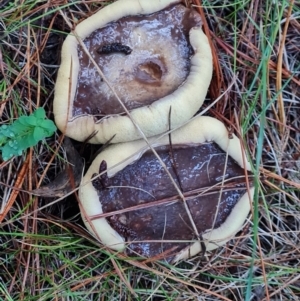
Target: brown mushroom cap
[[170, 65], [135, 178]]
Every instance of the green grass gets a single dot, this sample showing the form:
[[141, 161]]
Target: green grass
[[46, 254]]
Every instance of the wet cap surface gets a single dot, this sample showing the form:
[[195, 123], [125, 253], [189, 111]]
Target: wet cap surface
[[151, 61], [198, 168], [138, 63]]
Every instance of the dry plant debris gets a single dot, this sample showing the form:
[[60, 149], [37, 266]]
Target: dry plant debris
[[45, 254]]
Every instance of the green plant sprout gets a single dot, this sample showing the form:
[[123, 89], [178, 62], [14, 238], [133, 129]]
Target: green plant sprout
[[24, 132]]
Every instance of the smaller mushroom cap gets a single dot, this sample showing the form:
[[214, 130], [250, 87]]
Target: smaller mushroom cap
[[160, 59], [130, 176]]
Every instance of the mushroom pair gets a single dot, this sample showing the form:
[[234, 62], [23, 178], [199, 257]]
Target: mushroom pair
[[186, 194]]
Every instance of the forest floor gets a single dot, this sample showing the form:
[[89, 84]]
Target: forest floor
[[45, 251]]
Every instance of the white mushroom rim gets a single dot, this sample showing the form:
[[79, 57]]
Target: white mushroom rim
[[152, 119], [117, 157]]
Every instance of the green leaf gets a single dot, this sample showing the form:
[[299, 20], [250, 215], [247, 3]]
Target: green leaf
[[26, 141], [18, 127], [2, 137], [31, 120], [38, 134], [40, 113], [48, 125], [6, 131], [2, 140], [25, 132], [22, 120], [9, 150]]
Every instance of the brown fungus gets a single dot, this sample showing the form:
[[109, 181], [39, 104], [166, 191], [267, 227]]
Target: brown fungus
[[146, 217], [152, 53]]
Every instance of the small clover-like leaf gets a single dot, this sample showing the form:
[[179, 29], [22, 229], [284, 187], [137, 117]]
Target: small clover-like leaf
[[25, 132], [38, 133], [5, 130], [39, 113], [22, 120], [31, 120], [8, 151], [18, 127], [26, 141], [48, 125], [3, 138]]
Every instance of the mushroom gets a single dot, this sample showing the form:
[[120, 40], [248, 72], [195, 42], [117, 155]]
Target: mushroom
[[153, 54], [143, 212]]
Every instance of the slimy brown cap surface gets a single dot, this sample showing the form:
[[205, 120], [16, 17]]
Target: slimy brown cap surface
[[198, 170], [157, 65], [140, 72]]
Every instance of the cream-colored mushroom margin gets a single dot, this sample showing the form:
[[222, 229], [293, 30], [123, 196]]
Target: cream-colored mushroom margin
[[118, 156], [153, 119]]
